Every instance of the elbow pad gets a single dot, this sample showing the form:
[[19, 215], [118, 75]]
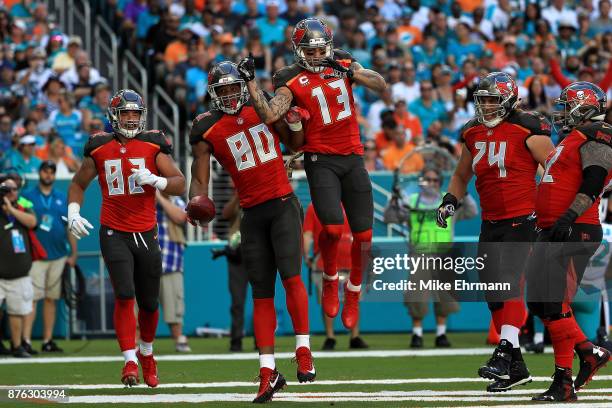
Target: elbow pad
[[593, 179]]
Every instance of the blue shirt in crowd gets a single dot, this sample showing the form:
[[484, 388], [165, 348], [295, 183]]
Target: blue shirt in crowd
[[51, 230], [271, 32], [437, 111]]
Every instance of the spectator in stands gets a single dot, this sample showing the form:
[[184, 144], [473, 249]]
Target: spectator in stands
[[65, 59], [272, 27], [285, 49], [6, 134], [35, 76], [51, 95], [293, 14], [463, 110], [148, 18], [314, 262], [228, 50], [56, 151], [537, 100], [5, 25], [426, 55], [558, 11], [407, 88], [16, 255], [50, 205], [177, 51], [73, 75], [248, 21], [438, 27], [508, 56], [96, 106], [481, 26], [409, 122], [23, 159], [171, 219], [567, 41], [399, 148], [261, 54], [84, 84], [370, 157], [231, 20], [426, 108], [603, 22], [67, 120]]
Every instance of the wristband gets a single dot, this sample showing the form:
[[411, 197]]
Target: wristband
[[73, 209], [296, 127], [450, 199], [161, 183]]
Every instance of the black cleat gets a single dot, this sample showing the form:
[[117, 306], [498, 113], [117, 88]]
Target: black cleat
[[51, 347], [519, 375], [416, 342], [561, 389], [537, 348], [329, 344], [358, 343], [498, 366], [20, 352], [28, 348], [270, 382], [592, 358], [442, 341]]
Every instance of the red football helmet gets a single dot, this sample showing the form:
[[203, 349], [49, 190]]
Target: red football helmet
[[578, 102], [495, 98], [309, 35]]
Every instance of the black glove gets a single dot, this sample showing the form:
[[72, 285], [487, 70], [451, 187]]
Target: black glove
[[246, 68], [562, 229], [340, 70], [446, 209]]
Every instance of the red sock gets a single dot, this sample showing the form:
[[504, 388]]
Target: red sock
[[147, 321], [562, 335], [498, 318], [360, 250], [264, 321], [515, 313], [329, 239], [297, 303], [125, 323]]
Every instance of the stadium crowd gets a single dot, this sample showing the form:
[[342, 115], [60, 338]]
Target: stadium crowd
[[432, 53]]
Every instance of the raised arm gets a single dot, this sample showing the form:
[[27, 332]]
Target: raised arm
[[270, 111], [368, 78], [200, 169]]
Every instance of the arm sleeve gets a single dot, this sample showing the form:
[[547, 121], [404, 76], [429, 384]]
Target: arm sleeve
[[555, 71]]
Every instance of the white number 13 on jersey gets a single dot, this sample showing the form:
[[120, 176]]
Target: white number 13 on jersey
[[342, 99], [493, 158]]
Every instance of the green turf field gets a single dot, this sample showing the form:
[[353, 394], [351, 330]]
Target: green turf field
[[213, 377]]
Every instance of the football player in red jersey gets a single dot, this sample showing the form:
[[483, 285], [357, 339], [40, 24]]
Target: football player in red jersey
[[320, 81], [576, 174], [503, 147], [131, 163], [271, 224]]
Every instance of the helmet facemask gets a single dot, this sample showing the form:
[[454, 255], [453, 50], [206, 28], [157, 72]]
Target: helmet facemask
[[313, 63], [229, 103], [128, 128], [489, 113]]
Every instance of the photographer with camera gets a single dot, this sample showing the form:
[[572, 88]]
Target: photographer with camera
[[237, 275], [16, 254]]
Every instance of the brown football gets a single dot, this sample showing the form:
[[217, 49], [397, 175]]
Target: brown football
[[201, 209]]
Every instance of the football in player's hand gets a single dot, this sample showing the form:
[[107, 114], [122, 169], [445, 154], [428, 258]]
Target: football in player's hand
[[201, 209]]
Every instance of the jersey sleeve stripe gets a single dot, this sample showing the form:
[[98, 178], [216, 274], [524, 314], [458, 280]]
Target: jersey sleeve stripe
[[289, 82], [95, 150], [522, 128], [208, 131], [154, 145]]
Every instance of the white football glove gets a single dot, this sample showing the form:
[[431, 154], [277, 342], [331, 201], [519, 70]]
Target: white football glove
[[143, 176], [77, 224]]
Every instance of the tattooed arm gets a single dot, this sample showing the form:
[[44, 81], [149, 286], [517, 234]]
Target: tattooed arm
[[368, 78], [274, 109]]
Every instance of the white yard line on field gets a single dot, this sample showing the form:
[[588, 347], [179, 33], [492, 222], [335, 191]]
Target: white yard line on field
[[303, 397], [254, 356], [229, 384]]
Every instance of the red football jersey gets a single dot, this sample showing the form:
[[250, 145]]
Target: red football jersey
[[249, 150], [126, 206], [563, 176], [333, 127], [504, 167], [313, 224]]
